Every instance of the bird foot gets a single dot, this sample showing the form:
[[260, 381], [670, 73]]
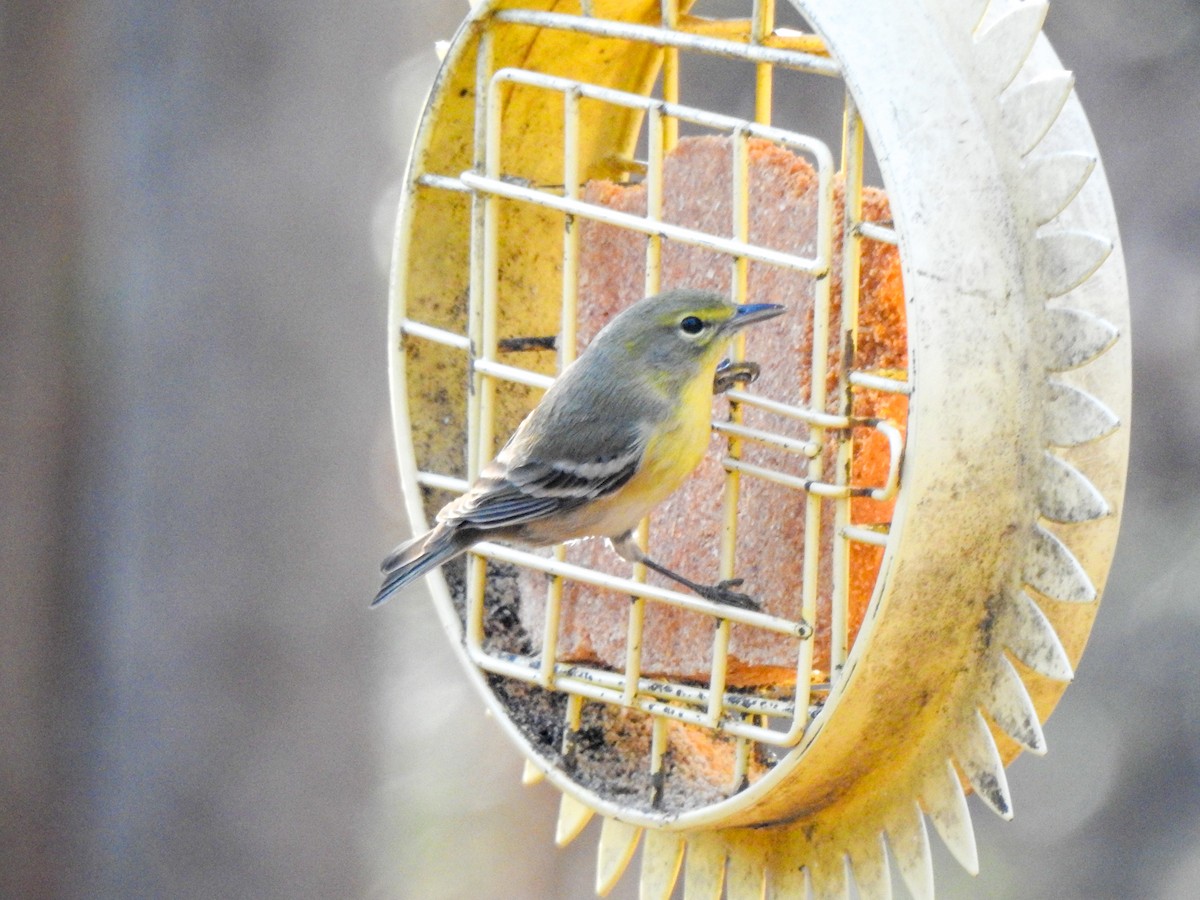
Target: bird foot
[[724, 593], [734, 374]]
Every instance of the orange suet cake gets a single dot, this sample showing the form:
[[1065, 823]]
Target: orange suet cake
[[685, 531]]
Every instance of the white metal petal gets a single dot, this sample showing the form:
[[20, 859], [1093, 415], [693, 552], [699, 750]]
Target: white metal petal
[[618, 841], [1054, 179], [909, 840], [970, 12], [1033, 640], [1065, 495], [979, 760], [1010, 707], [872, 875], [1003, 48], [662, 854], [1029, 110], [1076, 337], [946, 805], [1053, 570], [1066, 259], [1074, 417], [961, 17]]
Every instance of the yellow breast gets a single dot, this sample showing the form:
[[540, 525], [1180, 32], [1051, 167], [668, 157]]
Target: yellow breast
[[678, 447]]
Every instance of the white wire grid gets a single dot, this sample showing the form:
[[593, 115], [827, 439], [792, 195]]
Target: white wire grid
[[747, 716]]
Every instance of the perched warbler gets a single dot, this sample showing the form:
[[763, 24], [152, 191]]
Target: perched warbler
[[614, 436]]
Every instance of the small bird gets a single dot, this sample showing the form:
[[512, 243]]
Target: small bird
[[614, 436]]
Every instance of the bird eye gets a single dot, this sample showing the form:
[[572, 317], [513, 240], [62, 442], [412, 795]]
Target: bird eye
[[691, 325]]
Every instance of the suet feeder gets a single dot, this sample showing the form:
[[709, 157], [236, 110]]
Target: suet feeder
[[929, 471]]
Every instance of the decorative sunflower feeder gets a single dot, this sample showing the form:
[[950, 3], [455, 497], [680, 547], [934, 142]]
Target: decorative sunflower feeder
[[922, 488]]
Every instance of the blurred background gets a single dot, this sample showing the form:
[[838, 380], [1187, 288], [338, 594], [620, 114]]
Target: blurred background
[[196, 202]]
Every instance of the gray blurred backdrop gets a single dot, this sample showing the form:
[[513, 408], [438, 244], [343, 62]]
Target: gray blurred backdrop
[[196, 481]]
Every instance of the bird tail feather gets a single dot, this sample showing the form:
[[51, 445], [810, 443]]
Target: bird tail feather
[[412, 560]]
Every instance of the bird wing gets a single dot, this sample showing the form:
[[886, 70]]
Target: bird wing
[[536, 489], [570, 480], [579, 444]]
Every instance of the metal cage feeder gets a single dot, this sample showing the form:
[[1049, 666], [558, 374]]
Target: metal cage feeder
[[932, 477]]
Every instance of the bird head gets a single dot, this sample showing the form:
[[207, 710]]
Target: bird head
[[680, 330]]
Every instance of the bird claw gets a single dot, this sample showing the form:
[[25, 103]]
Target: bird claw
[[724, 593], [734, 374]]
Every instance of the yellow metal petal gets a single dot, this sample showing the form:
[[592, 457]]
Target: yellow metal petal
[[704, 871], [573, 817], [662, 855], [532, 774], [618, 841], [946, 804]]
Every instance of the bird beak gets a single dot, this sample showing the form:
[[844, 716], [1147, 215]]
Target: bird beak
[[751, 313]]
